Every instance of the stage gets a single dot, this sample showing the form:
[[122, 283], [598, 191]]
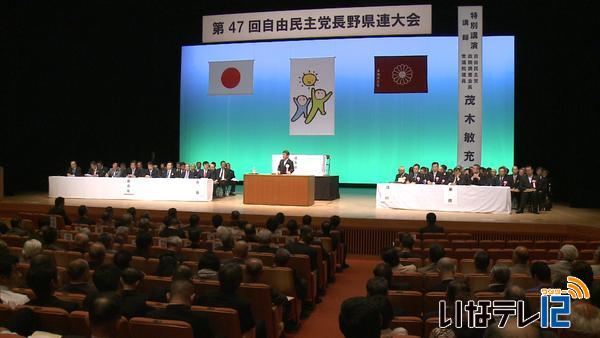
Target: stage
[[361, 218]]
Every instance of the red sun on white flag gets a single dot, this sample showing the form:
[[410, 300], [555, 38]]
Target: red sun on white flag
[[230, 77]]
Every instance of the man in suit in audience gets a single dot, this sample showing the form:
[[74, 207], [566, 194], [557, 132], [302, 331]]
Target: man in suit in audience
[[499, 277], [230, 278], [59, 209], [169, 171], [302, 247], [74, 170], [520, 261], [527, 187], [79, 278], [431, 227], [436, 252], [133, 170], [97, 253], [406, 246], [360, 317], [286, 166], [446, 268], [566, 256], [401, 176], [133, 302], [42, 278], [104, 317], [264, 240], [541, 274], [180, 298]]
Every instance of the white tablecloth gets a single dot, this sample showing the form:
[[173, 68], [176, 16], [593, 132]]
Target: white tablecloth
[[464, 198], [122, 188]]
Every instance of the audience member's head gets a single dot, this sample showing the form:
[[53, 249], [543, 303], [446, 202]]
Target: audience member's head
[[131, 278], [280, 218], [8, 265], [49, 235], [143, 240], [306, 234], [217, 221], [306, 220], [182, 272], [59, 202], [194, 220], [407, 241], [107, 240], [583, 271], [335, 221], [122, 259], [104, 314], [249, 230], [106, 278], [446, 268], [326, 228], [568, 252], [482, 261], [292, 227], [41, 260], [82, 211], [585, 321], [23, 322], [240, 249], [390, 256], [225, 235], [181, 292], [431, 218], [540, 272], [264, 237], [383, 270], [272, 224], [174, 244], [194, 235], [436, 252], [500, 274], [386, 310], [516, 293], [254, 270], [42, 280], [31, 248], [457, 290], [377, 286], [78, 271], [520, 255], [209, 260], [166, 266], [230, 278], [97, 253], [360, 318], [282, 257]]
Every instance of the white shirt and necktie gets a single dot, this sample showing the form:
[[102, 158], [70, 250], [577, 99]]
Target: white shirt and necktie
[[168, 173]]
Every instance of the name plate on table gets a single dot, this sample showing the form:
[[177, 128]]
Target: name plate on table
[[450, 195]]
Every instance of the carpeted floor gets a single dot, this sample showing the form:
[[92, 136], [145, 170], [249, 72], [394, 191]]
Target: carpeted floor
[[323, 322]]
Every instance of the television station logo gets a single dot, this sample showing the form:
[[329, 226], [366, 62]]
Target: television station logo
[[555, 305]]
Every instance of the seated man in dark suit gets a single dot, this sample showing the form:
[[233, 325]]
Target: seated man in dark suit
[[79, 278], [302, 247], [458, 178], [42, 279], [133, 302], [528, 185], [83, 216], [133, 170], [499, 277], [104, 316], [222, 178], [431, 226], [415, 177], [180, 300], [143, 242], [169, 172], [286, 166], [406, 246], [264, 241], [74, 170], [59, 209], [401, 176], [232, 182], [230, 278], [96, 253], [106, 279]]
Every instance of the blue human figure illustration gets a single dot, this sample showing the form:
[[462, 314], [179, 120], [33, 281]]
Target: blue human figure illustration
[[302, 103]]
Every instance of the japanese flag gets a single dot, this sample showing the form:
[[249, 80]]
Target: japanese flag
[[230, 77]]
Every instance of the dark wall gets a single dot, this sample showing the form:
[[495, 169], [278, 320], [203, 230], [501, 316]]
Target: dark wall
[[100, 80]]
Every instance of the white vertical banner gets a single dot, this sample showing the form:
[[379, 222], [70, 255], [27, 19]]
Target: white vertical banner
[[470, 113], [312, 96]]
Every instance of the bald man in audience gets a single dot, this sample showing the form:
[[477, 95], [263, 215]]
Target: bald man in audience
[[446, 268], [104, 316], [567, 255], [585, 321], [81, 242], [240, 253], [181, 295], [520, 261], [79, 278], [96, 255]]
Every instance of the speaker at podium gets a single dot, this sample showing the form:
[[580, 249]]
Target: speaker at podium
[[315, 165]]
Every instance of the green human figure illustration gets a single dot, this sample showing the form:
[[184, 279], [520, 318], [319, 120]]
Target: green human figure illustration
[[318, 98]]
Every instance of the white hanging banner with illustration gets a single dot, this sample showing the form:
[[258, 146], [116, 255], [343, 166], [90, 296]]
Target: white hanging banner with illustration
[[312, 96]]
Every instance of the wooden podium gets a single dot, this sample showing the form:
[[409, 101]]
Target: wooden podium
[[279, 189]]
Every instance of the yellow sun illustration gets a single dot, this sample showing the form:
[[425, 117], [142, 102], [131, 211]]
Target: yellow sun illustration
[[309, 79]]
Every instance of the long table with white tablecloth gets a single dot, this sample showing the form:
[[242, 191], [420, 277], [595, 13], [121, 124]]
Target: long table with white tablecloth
[[124, 188], [463, 198]]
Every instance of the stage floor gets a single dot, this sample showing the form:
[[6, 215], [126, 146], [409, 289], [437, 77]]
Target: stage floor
[[355, 203]]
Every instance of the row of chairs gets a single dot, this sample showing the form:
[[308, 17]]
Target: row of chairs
[[534, 254], [225, 321], [476, 281]]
